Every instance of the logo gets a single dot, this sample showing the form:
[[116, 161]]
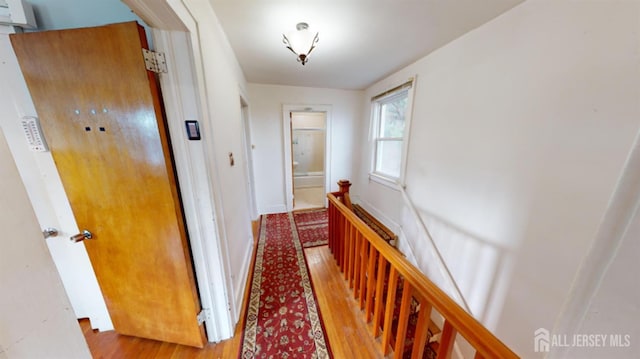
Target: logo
[[541, 340]]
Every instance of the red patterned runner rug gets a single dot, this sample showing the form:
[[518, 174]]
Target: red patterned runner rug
[[282, 317], [313, 227]]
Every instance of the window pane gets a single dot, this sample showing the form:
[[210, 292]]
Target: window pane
[[392, 116], [388, 158]]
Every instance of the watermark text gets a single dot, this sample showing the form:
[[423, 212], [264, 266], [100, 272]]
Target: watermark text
[[543, 340]]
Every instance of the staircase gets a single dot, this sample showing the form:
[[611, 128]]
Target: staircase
[[397, 301]]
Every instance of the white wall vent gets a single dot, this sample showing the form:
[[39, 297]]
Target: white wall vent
[[17, 13]]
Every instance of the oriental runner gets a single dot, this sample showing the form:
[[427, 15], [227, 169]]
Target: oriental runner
[[313, 227], [282, 317]]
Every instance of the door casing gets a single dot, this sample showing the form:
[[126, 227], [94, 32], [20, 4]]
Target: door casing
[[287, 160]]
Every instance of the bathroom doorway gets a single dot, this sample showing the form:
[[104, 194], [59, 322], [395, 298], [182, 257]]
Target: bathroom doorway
[[308, 147]]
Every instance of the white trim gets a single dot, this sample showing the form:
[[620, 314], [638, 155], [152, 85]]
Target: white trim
[[240, 285], [248, 146], [192, 175], [385, 181], [279, 208], [373, 210], [407, 134], [286, 135]]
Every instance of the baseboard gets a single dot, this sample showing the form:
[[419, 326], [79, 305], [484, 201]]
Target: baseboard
[[240, 285], [280, 208], [383, 218]]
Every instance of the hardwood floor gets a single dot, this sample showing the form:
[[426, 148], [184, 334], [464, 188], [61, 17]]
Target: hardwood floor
[[109, 345], [348, 335]]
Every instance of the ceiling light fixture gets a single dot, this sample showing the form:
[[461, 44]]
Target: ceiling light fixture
[[301, 42]]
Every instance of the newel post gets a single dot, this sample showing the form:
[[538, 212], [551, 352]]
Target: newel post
[[344, 186], [344, 192]]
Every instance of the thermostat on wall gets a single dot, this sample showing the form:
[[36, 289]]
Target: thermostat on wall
[[193, 130], [33, 133]]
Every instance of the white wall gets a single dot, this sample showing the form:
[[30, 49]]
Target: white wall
[[266, 127], [35, 318], [520, 131], [68, 14], [614, 308]]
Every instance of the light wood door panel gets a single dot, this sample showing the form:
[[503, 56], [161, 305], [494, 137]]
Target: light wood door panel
[[102, 118]]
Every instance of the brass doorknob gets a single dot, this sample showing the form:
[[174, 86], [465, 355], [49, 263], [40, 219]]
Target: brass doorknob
[[81, 236]]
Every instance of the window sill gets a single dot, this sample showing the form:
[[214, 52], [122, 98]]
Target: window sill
[[385, 181]]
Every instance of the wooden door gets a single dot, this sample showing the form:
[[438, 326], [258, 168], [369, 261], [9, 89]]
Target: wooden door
[[101, 116]]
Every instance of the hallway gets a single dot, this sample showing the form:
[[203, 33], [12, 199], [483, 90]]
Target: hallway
[[349, 336]]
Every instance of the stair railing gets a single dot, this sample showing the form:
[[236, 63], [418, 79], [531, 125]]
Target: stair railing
[[375, 270]]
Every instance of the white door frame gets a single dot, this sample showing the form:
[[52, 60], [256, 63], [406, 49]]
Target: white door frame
[[286, 135], [248, 145], [192, 162]]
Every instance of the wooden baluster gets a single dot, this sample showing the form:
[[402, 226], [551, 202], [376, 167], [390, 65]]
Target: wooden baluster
[[380, 280], [447, 340], [345, 254], [388, 310], [363, 270], [351, 254], [356, 266], [336, 235], [371, 280], [357, 242], [422, 330], [332, 228], [343, 242], [337, 239], [478, 356], [403, 319], [340, 240]]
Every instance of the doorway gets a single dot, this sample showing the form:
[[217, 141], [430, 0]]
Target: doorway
[[308, 139]]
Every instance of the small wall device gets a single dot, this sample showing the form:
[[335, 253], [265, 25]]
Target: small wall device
[[33, 134]]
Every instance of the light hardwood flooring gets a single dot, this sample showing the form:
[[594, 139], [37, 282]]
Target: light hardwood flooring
[[348, 334]]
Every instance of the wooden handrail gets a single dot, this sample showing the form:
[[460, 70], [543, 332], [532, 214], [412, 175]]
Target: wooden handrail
[[361, 253]]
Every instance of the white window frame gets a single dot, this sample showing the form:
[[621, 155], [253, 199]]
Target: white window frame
[[376, 104]]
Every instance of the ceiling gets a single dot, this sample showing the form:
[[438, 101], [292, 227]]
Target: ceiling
[[360, 43]]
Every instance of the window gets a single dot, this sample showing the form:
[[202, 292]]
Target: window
[[391, 122]]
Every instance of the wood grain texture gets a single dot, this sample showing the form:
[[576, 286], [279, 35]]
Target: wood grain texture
[[107, 345], [446, 341], [346, 330], [101, 116]]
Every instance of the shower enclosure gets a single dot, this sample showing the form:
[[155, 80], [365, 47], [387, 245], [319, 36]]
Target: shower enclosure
[[308, 137]]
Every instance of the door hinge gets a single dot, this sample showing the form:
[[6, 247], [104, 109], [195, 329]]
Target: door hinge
[[204, 315], [154, 61]]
